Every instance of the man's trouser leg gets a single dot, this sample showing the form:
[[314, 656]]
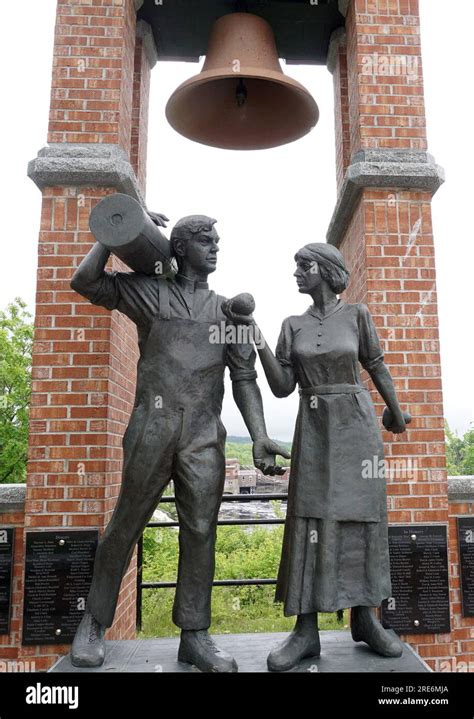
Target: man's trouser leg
[[147, 471], [199, 474]]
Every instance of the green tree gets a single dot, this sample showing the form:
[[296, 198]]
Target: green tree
[[468, 452], [16, 340], [459, 451]]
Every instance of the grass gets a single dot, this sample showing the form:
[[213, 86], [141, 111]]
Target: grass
[[240, 554]]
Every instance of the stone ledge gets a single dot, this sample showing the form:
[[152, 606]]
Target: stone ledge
[[461, 489], [12, 498], [382, 169], [86, 165]]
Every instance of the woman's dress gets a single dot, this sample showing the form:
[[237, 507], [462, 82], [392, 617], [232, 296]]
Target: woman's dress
[[335, 548]]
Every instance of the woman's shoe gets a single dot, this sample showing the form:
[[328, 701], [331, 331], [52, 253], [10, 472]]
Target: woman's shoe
[[303, 642], [365, 627]]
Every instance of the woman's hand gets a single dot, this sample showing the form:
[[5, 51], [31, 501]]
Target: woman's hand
[[395, 424]]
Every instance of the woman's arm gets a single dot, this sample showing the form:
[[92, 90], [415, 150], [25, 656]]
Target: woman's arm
[[395, 420], [371, 357], [281, 379], [280, 374]]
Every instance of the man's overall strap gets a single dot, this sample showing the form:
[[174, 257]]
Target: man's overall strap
[[164, 299]]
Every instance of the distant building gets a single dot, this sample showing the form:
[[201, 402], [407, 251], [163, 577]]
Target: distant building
[[284, 477], [246, 480], [231, 485]]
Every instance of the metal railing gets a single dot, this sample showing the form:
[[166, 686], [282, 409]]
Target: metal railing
[[241, 498]]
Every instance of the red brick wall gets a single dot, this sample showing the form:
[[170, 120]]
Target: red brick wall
[[406, 314], [385, 76], [92, 83]]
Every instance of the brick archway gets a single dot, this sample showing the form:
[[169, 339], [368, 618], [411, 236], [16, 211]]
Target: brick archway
[[84, 357]]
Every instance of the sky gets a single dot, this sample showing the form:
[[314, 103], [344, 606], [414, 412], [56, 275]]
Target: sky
[[268, 203]]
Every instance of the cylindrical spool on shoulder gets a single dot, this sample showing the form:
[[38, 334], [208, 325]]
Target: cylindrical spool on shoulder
[[121, 224]]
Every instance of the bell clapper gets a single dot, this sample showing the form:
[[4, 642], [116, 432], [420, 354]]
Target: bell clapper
[[241, 93]]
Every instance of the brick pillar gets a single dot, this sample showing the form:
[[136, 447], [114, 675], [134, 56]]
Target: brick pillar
[[382, 224], [85, 357], [145, 58]]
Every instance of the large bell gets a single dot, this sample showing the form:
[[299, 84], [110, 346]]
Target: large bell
[[242, 100]]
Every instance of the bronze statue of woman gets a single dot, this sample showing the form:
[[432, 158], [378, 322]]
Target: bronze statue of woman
[[335, 548]]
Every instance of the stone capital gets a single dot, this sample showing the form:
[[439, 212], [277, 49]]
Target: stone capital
[[12, 498], [86, 165], [382, 169], [461, 489]]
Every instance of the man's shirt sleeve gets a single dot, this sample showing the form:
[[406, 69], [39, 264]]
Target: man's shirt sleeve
[[132, 293], [241, 361]]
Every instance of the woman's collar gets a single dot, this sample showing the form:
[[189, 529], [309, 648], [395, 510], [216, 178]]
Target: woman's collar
[[312, 311]]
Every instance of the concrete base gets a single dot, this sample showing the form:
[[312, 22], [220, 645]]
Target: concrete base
[[338, 654]]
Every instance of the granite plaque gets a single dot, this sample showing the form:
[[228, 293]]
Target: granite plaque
[[420, 588], [466, 561], [7, 538], [58, 573]]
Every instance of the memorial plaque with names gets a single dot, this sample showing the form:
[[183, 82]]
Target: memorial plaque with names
[[58, 574], [420, 587], [466, 561], [7, 538]]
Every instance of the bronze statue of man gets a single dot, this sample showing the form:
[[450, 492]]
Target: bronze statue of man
[[175, 432]]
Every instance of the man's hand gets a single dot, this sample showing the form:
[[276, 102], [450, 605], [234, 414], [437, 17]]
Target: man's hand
[[237, 319], [158, 219], [396, 425], [264, 456]]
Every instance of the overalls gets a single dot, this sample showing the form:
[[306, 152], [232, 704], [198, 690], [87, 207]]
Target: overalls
[[175, 432]]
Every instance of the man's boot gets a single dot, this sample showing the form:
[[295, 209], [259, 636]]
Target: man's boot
[[198, 648], [88, 647], [303, 642], [365, 627]]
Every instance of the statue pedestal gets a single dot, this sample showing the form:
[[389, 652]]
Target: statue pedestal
[[338, 654]]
